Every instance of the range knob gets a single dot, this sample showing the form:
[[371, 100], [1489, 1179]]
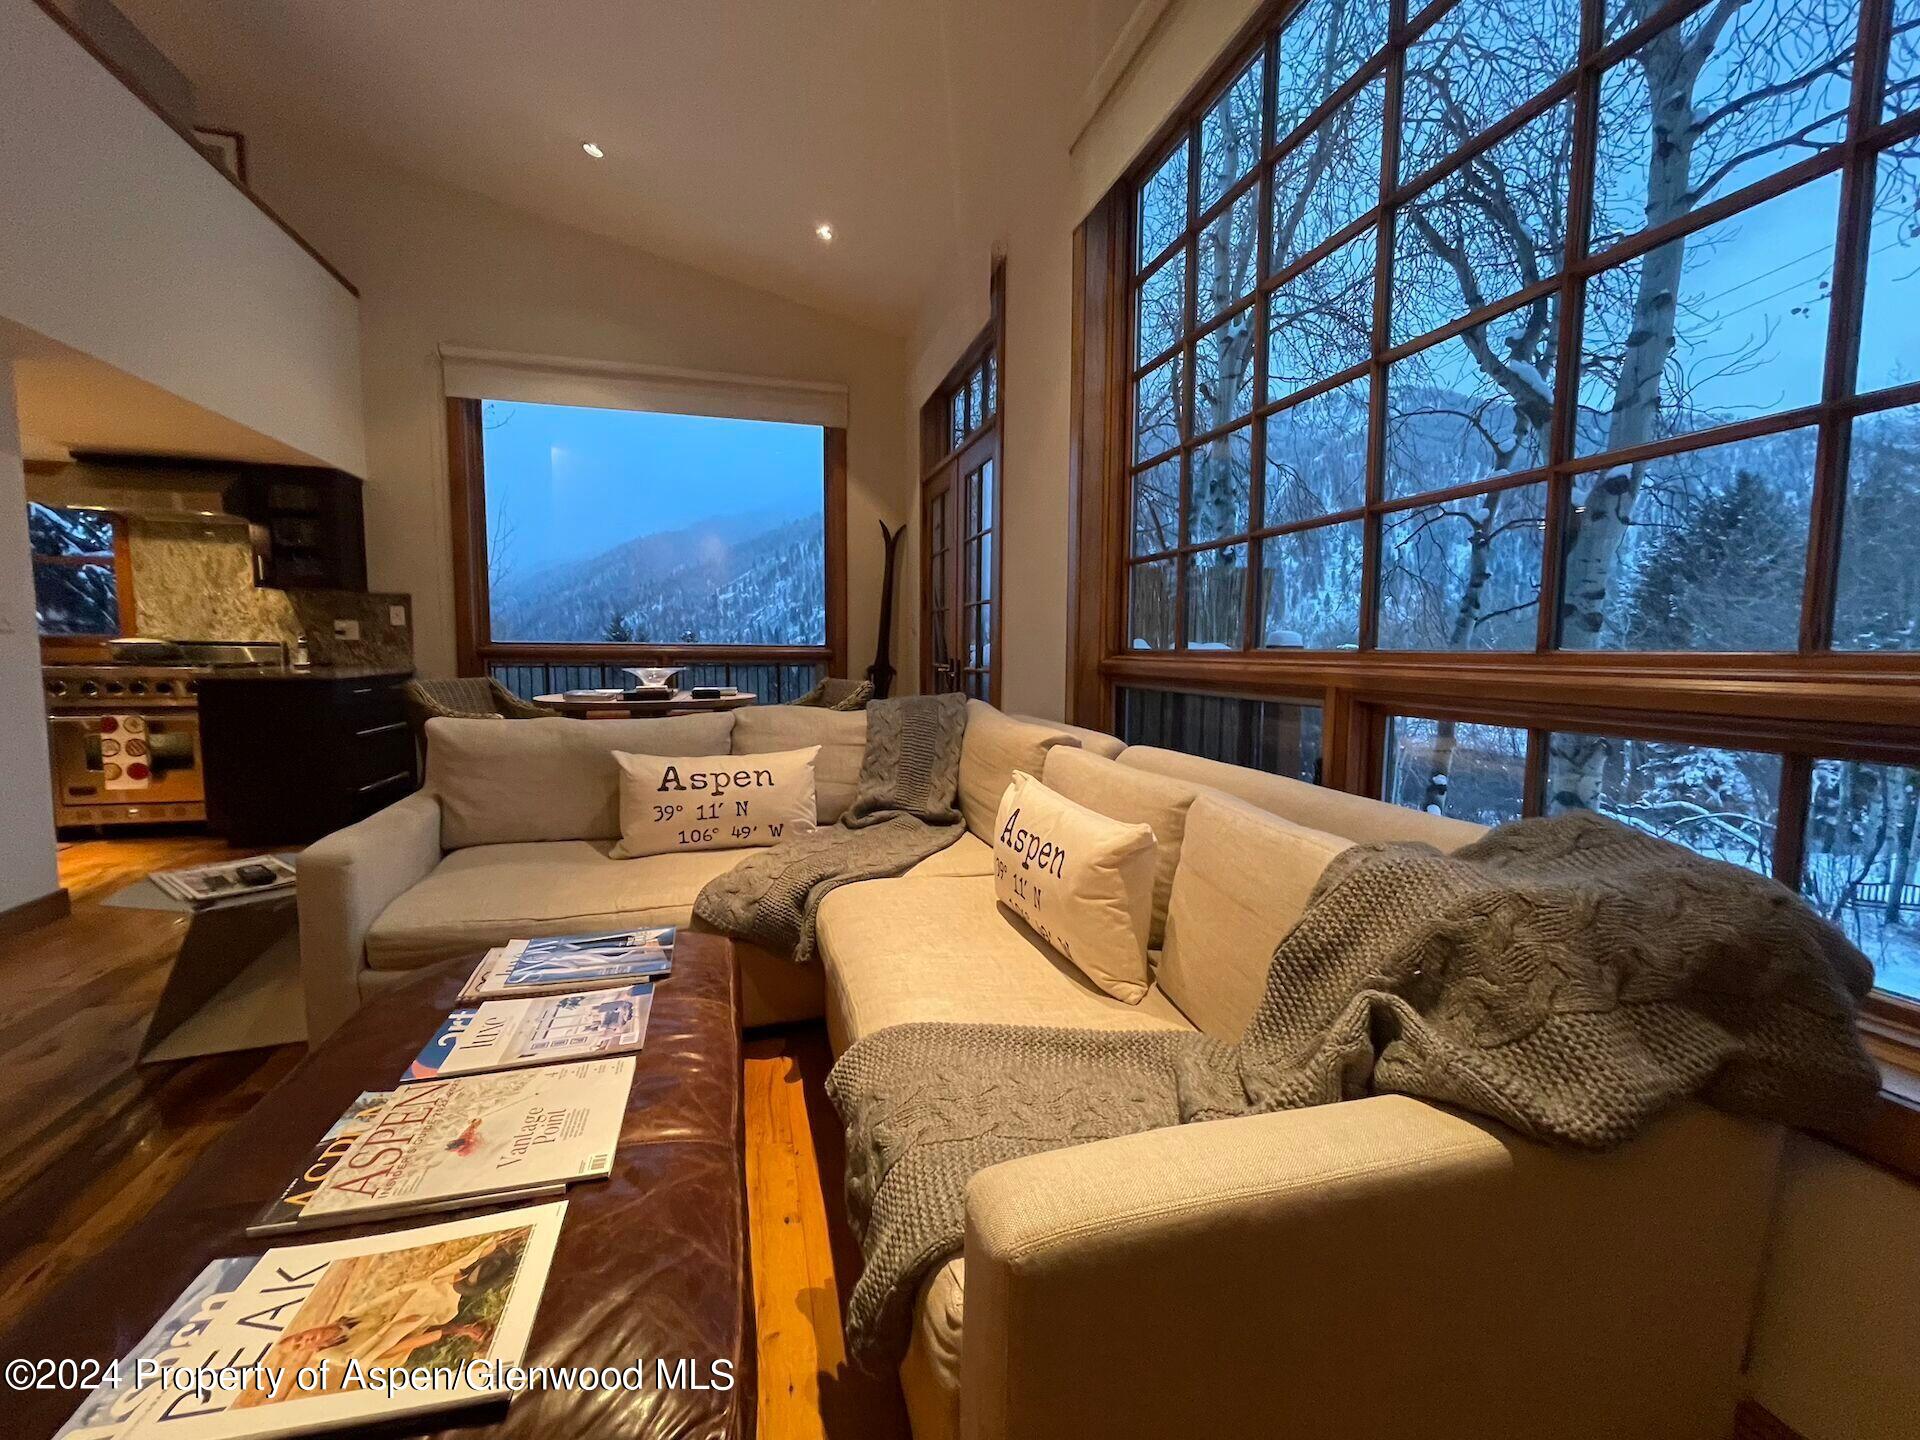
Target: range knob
[[56, 687], [163, 687], [137, 687], [114, 687], [88, 687], [192, 687]]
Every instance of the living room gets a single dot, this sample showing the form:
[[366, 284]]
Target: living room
[[1069, 554]]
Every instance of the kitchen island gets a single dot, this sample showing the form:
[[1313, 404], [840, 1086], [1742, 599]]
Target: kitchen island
[[294, 754]]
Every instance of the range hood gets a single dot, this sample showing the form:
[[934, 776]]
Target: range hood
[[186, 491]]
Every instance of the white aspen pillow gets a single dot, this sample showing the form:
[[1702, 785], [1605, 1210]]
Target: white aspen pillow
[[1084, 882], [674, 803]]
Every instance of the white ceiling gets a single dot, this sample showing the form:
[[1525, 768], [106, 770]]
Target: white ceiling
[[731, 127]]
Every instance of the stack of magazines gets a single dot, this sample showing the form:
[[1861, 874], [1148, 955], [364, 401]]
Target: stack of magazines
[[227, 880], [511, 1100]]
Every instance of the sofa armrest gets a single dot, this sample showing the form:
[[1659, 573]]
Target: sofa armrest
[[345, 880], [1227, 1278], [1367, 1269]]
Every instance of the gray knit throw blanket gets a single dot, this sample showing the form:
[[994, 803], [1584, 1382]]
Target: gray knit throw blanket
[[1569, 977], [904, 812]]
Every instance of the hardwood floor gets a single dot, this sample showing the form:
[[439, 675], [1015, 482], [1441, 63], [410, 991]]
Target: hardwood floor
[[89, 1140]]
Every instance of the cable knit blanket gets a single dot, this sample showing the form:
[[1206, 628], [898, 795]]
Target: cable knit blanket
[[1569, 977], [903, 812]]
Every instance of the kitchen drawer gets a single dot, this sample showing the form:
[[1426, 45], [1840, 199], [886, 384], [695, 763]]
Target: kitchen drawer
[[375, 752]]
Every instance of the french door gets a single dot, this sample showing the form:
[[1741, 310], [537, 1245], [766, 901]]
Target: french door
[[960, 521]]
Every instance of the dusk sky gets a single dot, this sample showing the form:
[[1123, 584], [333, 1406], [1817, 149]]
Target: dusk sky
[[572, 482]]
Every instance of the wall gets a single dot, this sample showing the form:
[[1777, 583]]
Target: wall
[[1836, 1351], [27, 866], [122, 243], [1053, 154], [439, 265]]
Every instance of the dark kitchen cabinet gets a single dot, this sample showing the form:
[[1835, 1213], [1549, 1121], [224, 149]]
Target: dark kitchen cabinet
[[306, 524], [292, 756]]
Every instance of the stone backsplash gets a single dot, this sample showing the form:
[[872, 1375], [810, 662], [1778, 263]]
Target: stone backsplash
[[194, 581]]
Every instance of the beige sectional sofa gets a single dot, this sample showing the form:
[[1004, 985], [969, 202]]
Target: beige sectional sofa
[[1378, 1267]]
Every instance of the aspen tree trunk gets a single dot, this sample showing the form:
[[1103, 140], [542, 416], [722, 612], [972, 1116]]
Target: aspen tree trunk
[[1596, 534]]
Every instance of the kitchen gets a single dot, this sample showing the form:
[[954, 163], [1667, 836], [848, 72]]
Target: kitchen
[[212, 658]]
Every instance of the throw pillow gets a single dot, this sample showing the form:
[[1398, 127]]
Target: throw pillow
[[672, 803], [1082, 881]]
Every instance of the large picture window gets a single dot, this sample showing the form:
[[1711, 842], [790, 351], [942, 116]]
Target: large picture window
[[620, 526], [692, 521]]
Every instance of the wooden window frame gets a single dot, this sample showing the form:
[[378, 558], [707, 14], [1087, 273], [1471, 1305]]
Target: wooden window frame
[[476, 651], [63, 644], [939, 450], [1810, 703]]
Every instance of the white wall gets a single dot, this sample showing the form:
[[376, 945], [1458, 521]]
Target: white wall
[[1836, 1351], [27, 866], [123, 243], [1053, 158], [439, 265]]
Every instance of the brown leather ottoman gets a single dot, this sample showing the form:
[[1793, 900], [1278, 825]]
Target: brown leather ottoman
[[652, 1261]]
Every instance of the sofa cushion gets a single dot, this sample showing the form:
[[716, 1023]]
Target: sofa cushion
[[514, 781], [930, 1373], [1123, 793], [841, 736], [487, 894], [672, 803], [994, 747], [1315, 806], [939, 948], [1094, 742], [969, 855], [1243, 881]]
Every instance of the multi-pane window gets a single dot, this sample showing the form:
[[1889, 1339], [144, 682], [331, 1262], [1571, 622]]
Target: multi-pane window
[[1534, 325], [974, 401], [76, 570], [1855, 856]]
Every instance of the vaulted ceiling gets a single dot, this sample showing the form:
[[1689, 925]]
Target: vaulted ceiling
[[732, 128]]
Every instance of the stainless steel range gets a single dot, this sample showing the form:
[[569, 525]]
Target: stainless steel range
[[124, 733]]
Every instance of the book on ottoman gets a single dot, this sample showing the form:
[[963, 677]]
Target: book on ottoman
[[504, 1034], [556, 964]]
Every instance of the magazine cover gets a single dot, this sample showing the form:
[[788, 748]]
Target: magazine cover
[[336, 1142], [502, 1034], [297, 1334], [473, 1139], [555, 964]]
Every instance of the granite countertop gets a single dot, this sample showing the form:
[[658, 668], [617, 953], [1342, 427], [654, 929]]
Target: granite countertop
[[315, 672]]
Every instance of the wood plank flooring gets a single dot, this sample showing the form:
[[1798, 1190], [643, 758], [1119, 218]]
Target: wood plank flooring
[[88, 1140]]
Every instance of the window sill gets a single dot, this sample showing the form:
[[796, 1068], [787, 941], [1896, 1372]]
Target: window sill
[[1890, 1135]]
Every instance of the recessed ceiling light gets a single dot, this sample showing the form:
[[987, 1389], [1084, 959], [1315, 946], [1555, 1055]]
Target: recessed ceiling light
[[593, 150], [825, 232]]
